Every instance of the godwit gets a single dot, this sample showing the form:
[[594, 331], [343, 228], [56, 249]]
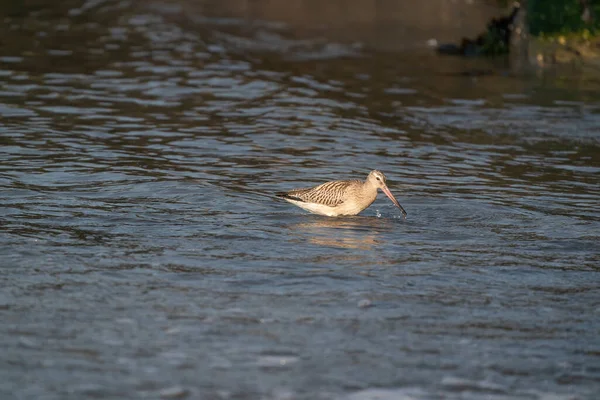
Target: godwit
[[341, 197]]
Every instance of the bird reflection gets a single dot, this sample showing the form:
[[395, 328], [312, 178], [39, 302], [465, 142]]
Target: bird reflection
[[349, 233]]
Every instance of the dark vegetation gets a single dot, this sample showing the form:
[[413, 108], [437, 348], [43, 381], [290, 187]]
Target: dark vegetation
[[494, 41], [563, 17], [545, 19]]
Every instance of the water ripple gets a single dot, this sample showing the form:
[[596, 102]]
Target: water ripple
[[142, 145]]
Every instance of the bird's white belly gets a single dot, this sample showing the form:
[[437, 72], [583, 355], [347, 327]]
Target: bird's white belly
[[315, 208], [347, 208]]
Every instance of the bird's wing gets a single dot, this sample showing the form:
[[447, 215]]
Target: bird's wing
[[329, 194]]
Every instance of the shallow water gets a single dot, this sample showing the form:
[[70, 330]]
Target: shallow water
[[144, 256]]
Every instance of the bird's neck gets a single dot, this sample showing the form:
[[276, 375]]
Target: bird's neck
[[369, 187]]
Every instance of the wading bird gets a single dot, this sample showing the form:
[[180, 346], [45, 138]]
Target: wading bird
[[337, 198]]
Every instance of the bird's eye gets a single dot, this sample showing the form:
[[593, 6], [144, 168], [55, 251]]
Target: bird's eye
[[378, 179]]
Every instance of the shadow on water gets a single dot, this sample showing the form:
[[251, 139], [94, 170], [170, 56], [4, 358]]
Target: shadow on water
[[143, 255], [346, 233]]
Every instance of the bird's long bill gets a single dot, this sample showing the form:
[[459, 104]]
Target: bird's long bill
[[393, 199]]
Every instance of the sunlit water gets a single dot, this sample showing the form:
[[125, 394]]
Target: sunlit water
[[144, 256]]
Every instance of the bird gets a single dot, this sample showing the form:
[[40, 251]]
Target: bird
[[338, 198]]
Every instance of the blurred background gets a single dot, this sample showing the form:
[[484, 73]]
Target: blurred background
[[144, 256]]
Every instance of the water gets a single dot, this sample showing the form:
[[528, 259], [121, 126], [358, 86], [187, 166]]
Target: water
[[144, 256]]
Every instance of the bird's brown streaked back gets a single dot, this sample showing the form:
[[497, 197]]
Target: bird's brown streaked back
[[329, 194]]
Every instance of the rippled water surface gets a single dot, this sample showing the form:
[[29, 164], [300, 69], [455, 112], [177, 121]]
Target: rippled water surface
[[142, 254]]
